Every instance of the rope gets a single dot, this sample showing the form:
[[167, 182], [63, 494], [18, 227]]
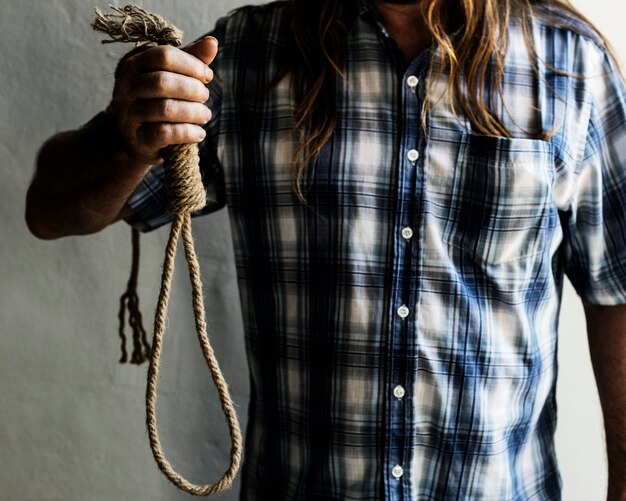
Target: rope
[[186, 194], [130, 300]]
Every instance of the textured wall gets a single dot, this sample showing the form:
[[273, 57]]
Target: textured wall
[[71, 418]]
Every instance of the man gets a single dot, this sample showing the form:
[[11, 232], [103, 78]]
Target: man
[[401, 250]]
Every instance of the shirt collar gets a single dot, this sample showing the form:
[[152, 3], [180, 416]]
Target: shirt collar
[[365, 9], [364, 6]]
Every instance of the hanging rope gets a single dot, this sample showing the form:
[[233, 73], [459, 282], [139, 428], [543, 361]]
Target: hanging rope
[[130, 301], [186, 194]]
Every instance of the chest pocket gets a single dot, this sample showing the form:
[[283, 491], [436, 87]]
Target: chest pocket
[[500, 198]]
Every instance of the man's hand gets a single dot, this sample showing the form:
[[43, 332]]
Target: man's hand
[[158, 97], [606, 328], [84, 177]]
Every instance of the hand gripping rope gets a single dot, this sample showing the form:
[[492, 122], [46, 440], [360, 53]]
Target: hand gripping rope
[[186, 194]]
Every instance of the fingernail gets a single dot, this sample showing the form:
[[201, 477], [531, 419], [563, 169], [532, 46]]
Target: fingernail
[[208, 37]]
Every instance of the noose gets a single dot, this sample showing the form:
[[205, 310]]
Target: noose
[[186, 194]]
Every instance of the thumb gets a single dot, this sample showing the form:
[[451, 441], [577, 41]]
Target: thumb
[[204, 49]]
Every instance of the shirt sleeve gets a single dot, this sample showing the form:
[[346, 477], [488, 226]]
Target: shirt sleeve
[[149, 200], [596, 234]]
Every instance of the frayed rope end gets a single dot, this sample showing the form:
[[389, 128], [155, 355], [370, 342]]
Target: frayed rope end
[[134, 24]]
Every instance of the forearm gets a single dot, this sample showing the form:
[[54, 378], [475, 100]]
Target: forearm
[[606, 327], [82, 182]]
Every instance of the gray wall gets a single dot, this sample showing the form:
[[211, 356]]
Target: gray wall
[[71, 418]]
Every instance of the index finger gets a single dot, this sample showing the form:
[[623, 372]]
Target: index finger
[[171, 59]]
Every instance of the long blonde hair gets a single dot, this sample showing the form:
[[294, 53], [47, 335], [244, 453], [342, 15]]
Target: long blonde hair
[[319, 28]]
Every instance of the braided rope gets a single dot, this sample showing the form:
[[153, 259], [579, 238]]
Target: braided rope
[[186, 194]]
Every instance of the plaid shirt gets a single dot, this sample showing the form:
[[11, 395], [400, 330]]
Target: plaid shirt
[[401, 330]]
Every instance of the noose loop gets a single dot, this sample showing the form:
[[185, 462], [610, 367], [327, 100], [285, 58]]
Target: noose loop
[[186, 194]]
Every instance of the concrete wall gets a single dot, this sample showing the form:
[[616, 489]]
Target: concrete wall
[[71, 418]]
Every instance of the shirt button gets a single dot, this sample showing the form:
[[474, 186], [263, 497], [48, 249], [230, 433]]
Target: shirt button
[[407, 233], [398, 391], [397, 471], [412, 82], [413, 155], [403, 311]]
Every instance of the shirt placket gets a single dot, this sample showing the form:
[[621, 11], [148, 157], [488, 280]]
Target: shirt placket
[[403, 334]]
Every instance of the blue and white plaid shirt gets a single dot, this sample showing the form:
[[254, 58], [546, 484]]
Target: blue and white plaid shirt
[[401, 330]]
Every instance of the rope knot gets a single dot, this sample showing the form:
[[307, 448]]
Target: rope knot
[[185, 190]]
